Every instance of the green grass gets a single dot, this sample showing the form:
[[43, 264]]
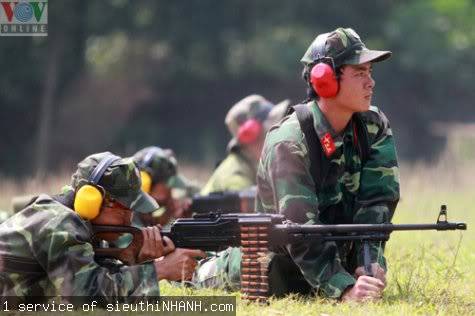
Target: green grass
[[430, 273]]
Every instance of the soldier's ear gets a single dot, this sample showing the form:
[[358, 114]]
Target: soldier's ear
[[146, 180], [249, 131], [89, 194], [88, 201]]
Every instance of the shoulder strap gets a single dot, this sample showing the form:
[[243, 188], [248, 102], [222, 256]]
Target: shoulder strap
[[319, 164], [15, 264], [361, 138]]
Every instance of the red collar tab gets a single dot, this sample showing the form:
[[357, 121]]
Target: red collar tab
[[328, 144]]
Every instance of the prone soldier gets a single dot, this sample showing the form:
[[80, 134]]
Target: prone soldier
[[160, 178], [49, 247]]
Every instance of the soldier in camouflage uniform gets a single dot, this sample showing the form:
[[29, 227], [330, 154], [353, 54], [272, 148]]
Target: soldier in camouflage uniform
[[171, 190], [47, 248], [237, 172], [354, 191], [247, 121]]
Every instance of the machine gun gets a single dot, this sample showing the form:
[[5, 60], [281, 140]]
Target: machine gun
[[257, 233], [225, 202]]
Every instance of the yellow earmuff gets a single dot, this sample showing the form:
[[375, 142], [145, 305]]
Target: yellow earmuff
[[146, 181], [146, 176], [88, 202], [89, 197]]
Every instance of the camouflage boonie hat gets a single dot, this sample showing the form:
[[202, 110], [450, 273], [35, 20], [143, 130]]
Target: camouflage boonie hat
[[121, 181], [160, 163], [251, 107], [345, 47]]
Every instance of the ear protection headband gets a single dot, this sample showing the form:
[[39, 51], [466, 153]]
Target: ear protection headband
[[145, 176], [322, 76], [90, 196], [252, 128]]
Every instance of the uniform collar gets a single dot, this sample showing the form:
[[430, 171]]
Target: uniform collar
[[329, 139]]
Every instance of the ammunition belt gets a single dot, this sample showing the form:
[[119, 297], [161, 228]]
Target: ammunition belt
[[254, 270]]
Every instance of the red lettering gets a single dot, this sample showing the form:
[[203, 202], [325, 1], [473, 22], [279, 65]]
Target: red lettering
[[7, 8], [328, 144]]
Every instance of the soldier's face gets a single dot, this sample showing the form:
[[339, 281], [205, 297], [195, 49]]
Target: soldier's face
[[356, 88], [162, 194], [113, 213]]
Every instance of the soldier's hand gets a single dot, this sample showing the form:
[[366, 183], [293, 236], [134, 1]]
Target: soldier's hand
[[365, 288], [168, 245], [178, 265], [377, 270], [129, 255], [152, 246]]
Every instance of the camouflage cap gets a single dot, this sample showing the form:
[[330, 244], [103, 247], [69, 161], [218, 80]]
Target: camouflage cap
[[251, 107], [121, 181], [345, 47], [160, 163]]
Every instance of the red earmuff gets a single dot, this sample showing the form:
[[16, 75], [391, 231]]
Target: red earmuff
[[249, 132], [323, 80]]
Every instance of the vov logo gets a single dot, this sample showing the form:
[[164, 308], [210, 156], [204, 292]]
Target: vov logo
[[23, 18]]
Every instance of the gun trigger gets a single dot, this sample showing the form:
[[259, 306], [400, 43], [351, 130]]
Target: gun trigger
[[442, 218]]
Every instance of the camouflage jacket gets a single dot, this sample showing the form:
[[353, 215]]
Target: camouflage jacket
[[351, 192], [236, 172], [54, 244]]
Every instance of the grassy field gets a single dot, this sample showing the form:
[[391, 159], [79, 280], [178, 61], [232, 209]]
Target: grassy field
[[430, 273]]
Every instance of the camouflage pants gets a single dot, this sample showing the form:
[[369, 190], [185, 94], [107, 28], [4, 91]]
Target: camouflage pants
[[223, 271]]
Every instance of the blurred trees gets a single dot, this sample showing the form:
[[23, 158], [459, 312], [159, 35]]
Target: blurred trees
[[135, 73]]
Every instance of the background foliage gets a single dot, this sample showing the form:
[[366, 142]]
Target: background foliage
[[119, 75]]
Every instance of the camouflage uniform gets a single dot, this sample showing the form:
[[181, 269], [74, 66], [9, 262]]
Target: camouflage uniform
[[46, 249], [352, 192], [238, 171], [20, 202]]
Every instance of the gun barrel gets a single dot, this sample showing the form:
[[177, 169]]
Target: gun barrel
[[366, 228]]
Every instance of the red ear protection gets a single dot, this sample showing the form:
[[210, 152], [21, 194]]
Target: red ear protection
[[323, 80], [249, 132]]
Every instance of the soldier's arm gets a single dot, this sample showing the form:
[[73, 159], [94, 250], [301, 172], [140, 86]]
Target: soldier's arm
[[65, 252], [284, 180], [379, 185]]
